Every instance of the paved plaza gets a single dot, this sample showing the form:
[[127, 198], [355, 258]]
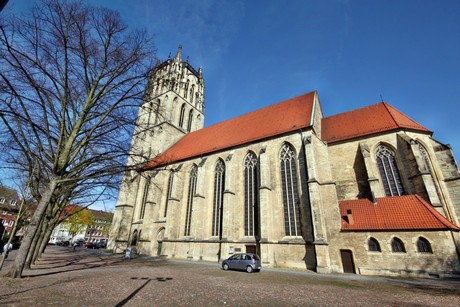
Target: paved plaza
[[96, 278]]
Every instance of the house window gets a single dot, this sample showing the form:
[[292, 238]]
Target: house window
[[251, 196], [169, 191], [391, 179], [219, 185], [191, 194], [182, 114], [291, 198], [374, 245], [423, 246], [397, 246]]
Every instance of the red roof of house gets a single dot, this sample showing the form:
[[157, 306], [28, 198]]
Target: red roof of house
[[409, 212], [376, 118], [289, 115]]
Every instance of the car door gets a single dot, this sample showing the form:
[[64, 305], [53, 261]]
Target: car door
[[233, 262]]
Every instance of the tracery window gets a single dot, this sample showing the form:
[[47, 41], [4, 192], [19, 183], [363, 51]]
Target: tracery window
[[182, 115], [191, 194], [169, 192], [389, 172], [374, 245], [397, 246], [423, 246], [219, 186], [251, 195], [290, 188]]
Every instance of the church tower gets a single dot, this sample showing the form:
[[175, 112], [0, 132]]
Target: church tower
[[173, 106]]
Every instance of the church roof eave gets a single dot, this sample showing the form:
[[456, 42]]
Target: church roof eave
[[290, 115]]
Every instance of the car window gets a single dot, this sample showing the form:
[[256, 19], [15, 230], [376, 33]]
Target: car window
[[248, 257], [234, 257]]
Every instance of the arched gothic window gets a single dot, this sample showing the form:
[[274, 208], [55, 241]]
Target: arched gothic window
[[219, 186], [251, 194], [191, 194], [389, 172], [290, 187], [374, 245], [182, 115], [144, 198], [192, 93], [186, 89], [190, 118], [397, 246], [423, 246], [169, 191], [134, 238]]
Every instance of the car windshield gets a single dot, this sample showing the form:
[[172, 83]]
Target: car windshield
[[256, 257]]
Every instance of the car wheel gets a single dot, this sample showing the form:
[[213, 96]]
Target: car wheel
[[225, 266], [249, 269]]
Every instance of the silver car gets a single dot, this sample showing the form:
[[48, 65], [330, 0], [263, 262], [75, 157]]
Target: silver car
[[244, 261]]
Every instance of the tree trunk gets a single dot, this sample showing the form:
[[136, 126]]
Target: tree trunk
[[18, 265], [33, 247]]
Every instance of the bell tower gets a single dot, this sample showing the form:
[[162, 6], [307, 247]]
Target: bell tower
[[173, 105]]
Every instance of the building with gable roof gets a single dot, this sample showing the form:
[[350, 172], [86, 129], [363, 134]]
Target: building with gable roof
[[368, 191]]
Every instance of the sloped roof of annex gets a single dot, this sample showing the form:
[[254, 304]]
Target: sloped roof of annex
[[397, 213]]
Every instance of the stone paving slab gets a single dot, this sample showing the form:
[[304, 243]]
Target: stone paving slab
[[96, 278]]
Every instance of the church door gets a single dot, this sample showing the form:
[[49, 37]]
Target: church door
[[160, 236], [347, 261]]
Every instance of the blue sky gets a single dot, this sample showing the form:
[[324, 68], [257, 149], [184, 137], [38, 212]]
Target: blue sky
[[256, 53]]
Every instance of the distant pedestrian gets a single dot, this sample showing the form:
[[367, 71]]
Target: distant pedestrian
[[6, 248], [74, 245]]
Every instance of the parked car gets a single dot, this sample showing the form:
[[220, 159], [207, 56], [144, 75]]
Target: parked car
[[101, 245], [91, 245], [63, 243], [243, 261]]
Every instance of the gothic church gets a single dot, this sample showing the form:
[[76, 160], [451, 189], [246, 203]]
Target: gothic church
[[368, 191]]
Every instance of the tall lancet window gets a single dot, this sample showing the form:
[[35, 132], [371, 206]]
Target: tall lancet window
[[389, 172], [169, 191], [191, 194], [144, 198], [219, 186], [192, 93], [427, 164], [251, 195], [290, 186], [190, 118], [182, 115]]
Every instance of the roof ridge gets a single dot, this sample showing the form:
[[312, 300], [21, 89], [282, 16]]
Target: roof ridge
[[387, 105]]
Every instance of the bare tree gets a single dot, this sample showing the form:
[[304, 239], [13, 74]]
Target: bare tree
[[71, 80]]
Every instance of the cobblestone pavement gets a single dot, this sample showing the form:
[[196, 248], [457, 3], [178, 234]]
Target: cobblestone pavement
[[96, 278]]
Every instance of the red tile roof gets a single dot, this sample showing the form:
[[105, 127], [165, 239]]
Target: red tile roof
[[289, 115], [376, 118], [409, 212]]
